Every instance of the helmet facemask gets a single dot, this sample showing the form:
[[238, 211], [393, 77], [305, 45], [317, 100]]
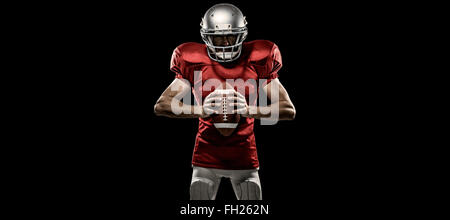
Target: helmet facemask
[[224, 53]]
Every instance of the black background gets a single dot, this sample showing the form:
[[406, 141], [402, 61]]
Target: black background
[[118, 157]]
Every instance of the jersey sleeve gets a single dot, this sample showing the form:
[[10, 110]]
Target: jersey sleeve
[[178, 65], [274, 63]]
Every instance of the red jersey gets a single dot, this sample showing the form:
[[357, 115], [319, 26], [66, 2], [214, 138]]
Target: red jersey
[[259, 59]]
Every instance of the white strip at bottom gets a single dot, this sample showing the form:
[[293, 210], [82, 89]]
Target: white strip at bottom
[[225, 125]]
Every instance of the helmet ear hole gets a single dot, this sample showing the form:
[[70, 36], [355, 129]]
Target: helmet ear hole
[[244, 36]]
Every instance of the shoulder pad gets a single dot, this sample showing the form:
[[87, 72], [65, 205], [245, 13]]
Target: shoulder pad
[[192, 52], [259, 49]]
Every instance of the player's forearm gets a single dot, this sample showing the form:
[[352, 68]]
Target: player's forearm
[[177, 111], [285, 110]]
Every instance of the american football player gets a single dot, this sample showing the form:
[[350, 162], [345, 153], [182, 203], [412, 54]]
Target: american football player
[[225, 56]]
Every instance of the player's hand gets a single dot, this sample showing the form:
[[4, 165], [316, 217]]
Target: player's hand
[[239, 103], [212, 104]]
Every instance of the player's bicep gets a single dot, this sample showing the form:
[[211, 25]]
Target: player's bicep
[[276, 86], [177, 89]]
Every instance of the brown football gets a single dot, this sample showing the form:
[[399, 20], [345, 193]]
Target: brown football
[[225, 122]]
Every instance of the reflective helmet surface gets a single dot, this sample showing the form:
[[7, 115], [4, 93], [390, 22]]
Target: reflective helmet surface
[[222, 20]]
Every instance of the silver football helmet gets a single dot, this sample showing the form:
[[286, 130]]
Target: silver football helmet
[[223, 19]]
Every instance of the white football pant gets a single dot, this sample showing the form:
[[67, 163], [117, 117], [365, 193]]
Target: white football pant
[[205, 183]]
